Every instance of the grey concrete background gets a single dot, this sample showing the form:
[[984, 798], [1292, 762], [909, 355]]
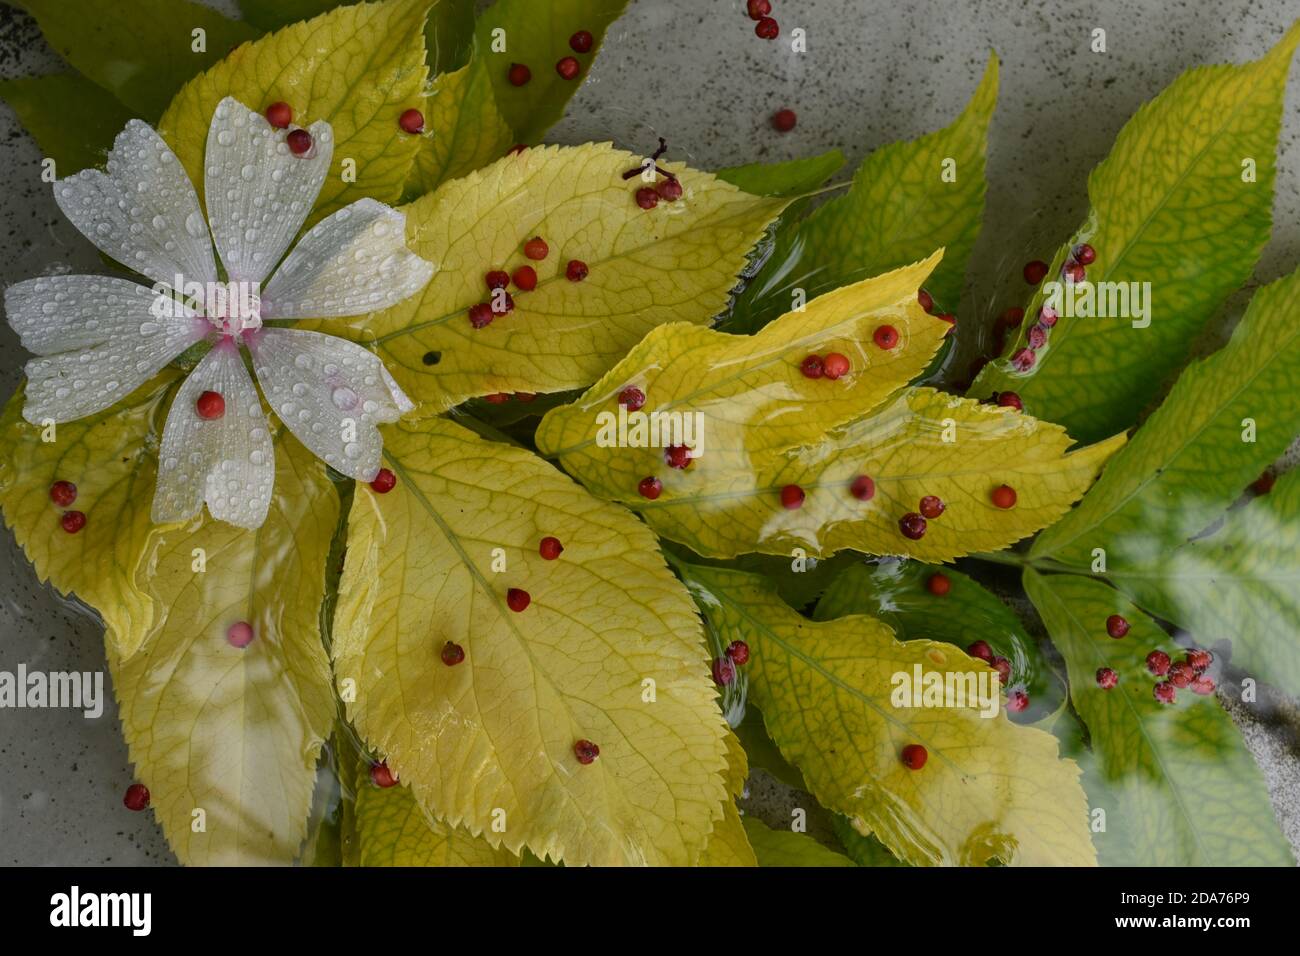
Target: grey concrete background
[[692, 71]]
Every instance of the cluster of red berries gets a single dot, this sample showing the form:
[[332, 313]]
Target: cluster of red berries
[[833, 366], [913, 525], [766, 28], [724, 667], [500, 302], [63, 494], [299, 141], [1017, 699], [1189, 672], [1072, 271], [669, 189], [567, 67]]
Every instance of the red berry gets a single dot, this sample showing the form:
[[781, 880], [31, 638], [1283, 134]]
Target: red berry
[[938, 584], [1073, 272], [912, 525], [1117, 626], [914, 756], [813, 366], [568, 68], [863, 488], [72, 521], [1200, 660], [925, 300], [411, 121], [1047, 317], [452, 654], [1017, 700], [384, 482], [632, 398], [585, 751], [886, 336], [581, 42], [647, 197], [669, 190], [63, 493], [497, 398], [517, 599], [1164, 692], [550, 548], [1023, 360], [981, 650], [932, 506], [767, 29], [136, 798], [1035, 271], [677, 456], [501, 303], [536, 249], [1003, 667], [1011, 318], [381, 776], [240, 634], [299, 142], [519, 74], [724, 672], [1011, 400], [576, 270], [210, 406], [1181, 674], [480, 315], [738, 651], [1106, 678], [758, 9], [835, 365], [1203, 685], [1003, 496], [1037, 337], [792, 497], [1085, 254], [783, 120], [497, 279], [650, 488], [1158, 663], [526, 278], [279, 115]]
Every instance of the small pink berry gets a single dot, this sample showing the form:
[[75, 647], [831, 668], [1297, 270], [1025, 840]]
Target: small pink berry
[[792, 497], [568, 67], [1106, 678], [738, 651], [384, 482], [576, 270], [550, 548], [1003, 666], [1203, 685], [647, 197], [72, 521], [1085, 254], [1037, 337], [885, 336], [526, 278], [938, 584], [1117, 626], [758, 9], [1164, 692], [1003, 496], [677, 456], [518, 74], [835, 365], [981, 650], [669, 190], [1017, 700], [932, 506], [1047, 317], [1158, 663], [914, 756], [813, 366], [585, 751], [1023, 360], [536, 249], [581, 42], [411, 121], [299, 142], [632, 398], [912, 526], [136, 797], [497, 279], [381, 776], [210, 406], [1011, 400], [1181, 674], [452, 654], [1073, 272], [1200, 660], [480, 315], [63, 493], [650, 488], [863, 488], [767, 29], [925, 300], [279, 115], [240, 634], [784, 120], [517, 599], [724, 672]]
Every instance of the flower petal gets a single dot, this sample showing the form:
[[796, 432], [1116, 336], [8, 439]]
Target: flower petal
[[330, 393], [228, 462], [350, 263], [258, 192], [136, 334], [144, 212]]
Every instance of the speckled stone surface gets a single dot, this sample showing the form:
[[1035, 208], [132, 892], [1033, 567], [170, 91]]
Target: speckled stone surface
[[693, 72]]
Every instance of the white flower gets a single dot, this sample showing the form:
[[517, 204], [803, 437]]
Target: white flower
[[98, 339]]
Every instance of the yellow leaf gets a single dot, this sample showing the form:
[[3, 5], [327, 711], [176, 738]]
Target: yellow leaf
[[674, 263], [358, 68], [392, 830], [787, 848], [749, 390], [921, 442], [225, 736], [466, 129], [110, 457], [728, 844], [609, 650], [990, 788]]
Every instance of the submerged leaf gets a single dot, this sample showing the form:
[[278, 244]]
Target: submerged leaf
[[789, 179], [72, 120], [787, 848]]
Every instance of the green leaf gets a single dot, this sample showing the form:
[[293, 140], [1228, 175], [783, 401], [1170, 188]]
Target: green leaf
[[991, 788], [431, 562], [862, 850], [761, 752], [143, 50], [111, 458], [788, 179], [896, 593], [270, 15], [357, 67], [234, 732], [466, 130], [1180, 788], [787, 848], [677, 262], [1170, 207], [898, 210], [1238, 588], [1191, 459], [537, 35], [449, 35], [72, 120]]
